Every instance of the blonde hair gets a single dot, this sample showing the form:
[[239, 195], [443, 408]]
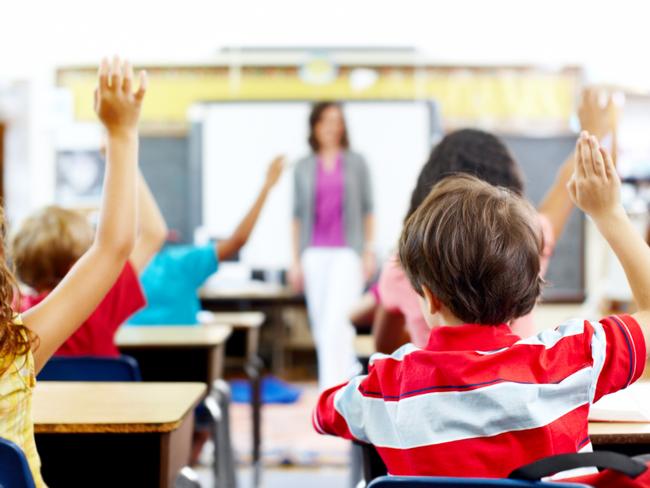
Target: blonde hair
[[15, 339], [47, 244]]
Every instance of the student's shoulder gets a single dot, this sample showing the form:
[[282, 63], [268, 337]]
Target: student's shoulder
[[396, 358]]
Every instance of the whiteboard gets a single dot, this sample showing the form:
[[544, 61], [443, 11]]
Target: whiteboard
[[240, 139]]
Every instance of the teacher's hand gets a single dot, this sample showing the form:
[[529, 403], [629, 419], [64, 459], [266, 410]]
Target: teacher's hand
[[296, 278]]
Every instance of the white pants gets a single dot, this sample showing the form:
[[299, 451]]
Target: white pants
[[333, 284]]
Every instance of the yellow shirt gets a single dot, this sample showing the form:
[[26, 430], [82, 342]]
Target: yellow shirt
[[16, 422]]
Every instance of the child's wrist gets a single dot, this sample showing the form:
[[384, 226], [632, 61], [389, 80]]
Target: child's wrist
[[125, 133], [610, 216]]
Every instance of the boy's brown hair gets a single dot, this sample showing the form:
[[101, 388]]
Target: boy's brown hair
[[477, 248], [47, 244]]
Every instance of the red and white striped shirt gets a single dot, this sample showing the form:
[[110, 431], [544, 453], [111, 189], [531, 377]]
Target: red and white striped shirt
[[479, 401]]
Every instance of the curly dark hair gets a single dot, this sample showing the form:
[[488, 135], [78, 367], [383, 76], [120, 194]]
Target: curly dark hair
[[315, 116], [468, 151]]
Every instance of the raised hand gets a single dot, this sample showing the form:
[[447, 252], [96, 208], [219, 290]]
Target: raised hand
[[275, 171], [599, 112], [595, 186], [116, 104]]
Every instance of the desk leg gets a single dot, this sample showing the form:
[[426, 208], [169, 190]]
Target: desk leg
[[215, 363], [278, 340], [175, 447]]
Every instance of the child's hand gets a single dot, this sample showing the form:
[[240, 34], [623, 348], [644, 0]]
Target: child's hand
[[116, 105], [595, 186], [275, 171], [598, 115]]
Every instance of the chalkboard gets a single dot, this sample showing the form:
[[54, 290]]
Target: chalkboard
[[541, 159], [165, 163]]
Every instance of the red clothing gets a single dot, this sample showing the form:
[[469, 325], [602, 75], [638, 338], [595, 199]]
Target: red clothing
[[479, 401], [96, 335]]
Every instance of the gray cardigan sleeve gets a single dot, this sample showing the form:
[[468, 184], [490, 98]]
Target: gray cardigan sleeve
[[297, 198], [367, 201]]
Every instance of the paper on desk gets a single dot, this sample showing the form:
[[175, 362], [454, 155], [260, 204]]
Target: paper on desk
[[629, 405]]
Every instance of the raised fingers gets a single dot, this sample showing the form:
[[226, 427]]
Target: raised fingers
[[142, 89], [610, 167], [127, 83], [103, 73], [116, 74], [597, 162], [582, 156]]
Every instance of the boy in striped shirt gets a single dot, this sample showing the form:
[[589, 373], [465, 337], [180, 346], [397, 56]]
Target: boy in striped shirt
[[479, 400]]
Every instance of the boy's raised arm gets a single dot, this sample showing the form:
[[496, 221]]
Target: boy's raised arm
[[92, 276], [595, 188]]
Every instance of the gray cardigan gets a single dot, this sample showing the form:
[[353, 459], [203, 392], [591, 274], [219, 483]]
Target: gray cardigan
[[357, 201]]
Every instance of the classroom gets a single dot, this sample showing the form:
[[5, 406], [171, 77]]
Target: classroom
[[369, 244]]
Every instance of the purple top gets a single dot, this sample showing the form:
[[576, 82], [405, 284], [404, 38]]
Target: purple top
[[328, 219]]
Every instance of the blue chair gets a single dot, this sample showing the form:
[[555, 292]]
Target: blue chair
[[91, 368], [440, 482], [14, 470]]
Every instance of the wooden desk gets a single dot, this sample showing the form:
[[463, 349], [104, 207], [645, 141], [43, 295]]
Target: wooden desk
[[259, 293], [176, 353], [114, 434], [249, 322], [364, 346], [269, 299], [620, 433], [628, 438]]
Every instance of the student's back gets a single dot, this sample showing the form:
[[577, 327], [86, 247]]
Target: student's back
[[478, 401], [481, 401], [171, 283]]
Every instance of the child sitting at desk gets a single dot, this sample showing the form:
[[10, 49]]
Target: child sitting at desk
[[27, 343], [477, 400], [398, 317], [172, 280], [48, 244]]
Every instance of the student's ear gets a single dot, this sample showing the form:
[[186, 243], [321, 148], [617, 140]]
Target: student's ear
[[431, 302]]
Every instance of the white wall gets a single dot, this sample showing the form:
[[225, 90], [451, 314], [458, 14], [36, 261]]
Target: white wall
[[610, 37]]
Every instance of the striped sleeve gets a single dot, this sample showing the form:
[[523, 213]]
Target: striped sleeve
[[619, 354], [327, 417]]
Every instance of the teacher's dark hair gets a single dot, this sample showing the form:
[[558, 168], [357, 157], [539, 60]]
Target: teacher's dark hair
[[315, 116]]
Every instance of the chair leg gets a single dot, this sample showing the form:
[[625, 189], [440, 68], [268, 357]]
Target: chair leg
[[254, 372], [223, 450], [187, 478], [217, 426], [356, 465]]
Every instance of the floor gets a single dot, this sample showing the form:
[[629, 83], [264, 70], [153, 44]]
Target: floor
[[294, 455], [287, 478], [288, 435]]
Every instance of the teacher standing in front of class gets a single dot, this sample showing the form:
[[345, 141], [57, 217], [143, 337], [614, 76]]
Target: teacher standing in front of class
[[333, 232]]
